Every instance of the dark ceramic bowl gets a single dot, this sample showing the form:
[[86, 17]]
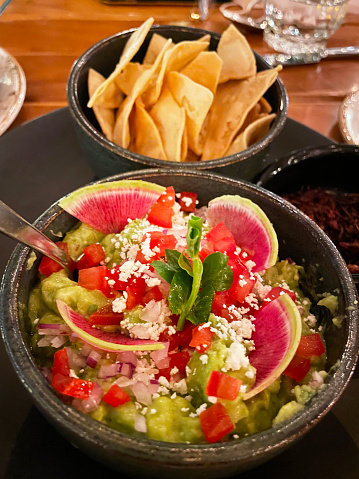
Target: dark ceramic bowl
[[146, 458], [107, 158], [333, 167]]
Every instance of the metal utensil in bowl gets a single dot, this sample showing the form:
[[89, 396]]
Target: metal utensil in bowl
[[13, 225]]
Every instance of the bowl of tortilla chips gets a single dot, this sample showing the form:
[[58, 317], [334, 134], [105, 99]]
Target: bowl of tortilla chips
[[176, 97]]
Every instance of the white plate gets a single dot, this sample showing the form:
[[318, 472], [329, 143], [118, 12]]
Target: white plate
[[12, 89], [349, 118]]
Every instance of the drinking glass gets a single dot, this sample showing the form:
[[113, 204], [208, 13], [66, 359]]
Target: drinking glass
[[302, 26]]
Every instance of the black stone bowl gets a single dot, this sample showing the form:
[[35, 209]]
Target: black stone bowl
[[106, 158], [331, 166], [137, 457]]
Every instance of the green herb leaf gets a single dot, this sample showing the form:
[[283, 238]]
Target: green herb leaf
[[180, 290], [194, 235], [172, 257], [202, 306], [185, 264], [197, 276], [216, 272], [163, 270]]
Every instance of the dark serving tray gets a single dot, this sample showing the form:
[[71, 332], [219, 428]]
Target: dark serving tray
[[40, 162]]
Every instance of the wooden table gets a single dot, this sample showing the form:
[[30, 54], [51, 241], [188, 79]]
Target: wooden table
[[46, 37]]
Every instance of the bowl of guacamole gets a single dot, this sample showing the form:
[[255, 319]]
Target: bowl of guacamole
[[206, 325]]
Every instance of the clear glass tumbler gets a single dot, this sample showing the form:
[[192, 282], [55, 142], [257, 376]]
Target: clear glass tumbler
[[302, 26]]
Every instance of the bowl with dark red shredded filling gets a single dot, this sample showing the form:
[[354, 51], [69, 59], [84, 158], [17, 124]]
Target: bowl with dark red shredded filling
[[322, 183]]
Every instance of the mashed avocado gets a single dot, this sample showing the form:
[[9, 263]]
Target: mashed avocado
[[164, 396]]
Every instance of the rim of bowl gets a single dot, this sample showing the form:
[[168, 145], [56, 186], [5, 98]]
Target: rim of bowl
[[303, 154], [81, 119], [247, 449]]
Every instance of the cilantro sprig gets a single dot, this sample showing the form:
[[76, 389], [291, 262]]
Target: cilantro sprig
[[193, 283]]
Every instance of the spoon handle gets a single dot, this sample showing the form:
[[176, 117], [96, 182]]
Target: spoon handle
[[13, 225]]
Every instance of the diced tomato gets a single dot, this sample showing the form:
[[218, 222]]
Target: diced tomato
[[116, 283], [223, 386], [82, 263], [243, 286], [49, 266], [243, 279], [135, 292], [95, 278], [206, 249], [215, 422], [161, 215], [94, 254], [187, 201], [201, 338], [310, 345], [105, 317], [180, 339], [74, 387], [298, 368], [159, 242], [221, 305], [179, 360], [152, 294], [61, 363], [162, 211], [221, 238], [168, 197], [277, 291], [116, 396]]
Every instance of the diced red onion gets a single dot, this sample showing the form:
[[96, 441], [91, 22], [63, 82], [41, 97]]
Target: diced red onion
[[45, 341], [54, 329], [109, 371], [76, 361], [151, 312], [160, 356], [141, 393], [140, 423], [153, 386], [58, 341], [86, 349], [127, 370], [127, 357], [93, 358], [123, 382], [47, 372]]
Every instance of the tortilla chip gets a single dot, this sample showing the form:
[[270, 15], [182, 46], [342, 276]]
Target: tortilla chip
[[105, 116], [170, 119], [146, 137], [132, 46], [252, 116], [232, 103], [121, 132], [128, 77], [238, 59], [175, 59], [205, 69], [195, 98], [155, 46], [265, 105], [253, 133]]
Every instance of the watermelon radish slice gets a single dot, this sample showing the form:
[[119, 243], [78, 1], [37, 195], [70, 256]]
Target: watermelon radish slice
[[278, 329], [249, 225], [102, 339], [107, 206]]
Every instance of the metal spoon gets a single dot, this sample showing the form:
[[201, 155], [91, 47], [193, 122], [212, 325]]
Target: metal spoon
[[275, 59], [13, 225]]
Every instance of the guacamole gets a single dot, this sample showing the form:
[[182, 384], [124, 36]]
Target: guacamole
[[187, 286]]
